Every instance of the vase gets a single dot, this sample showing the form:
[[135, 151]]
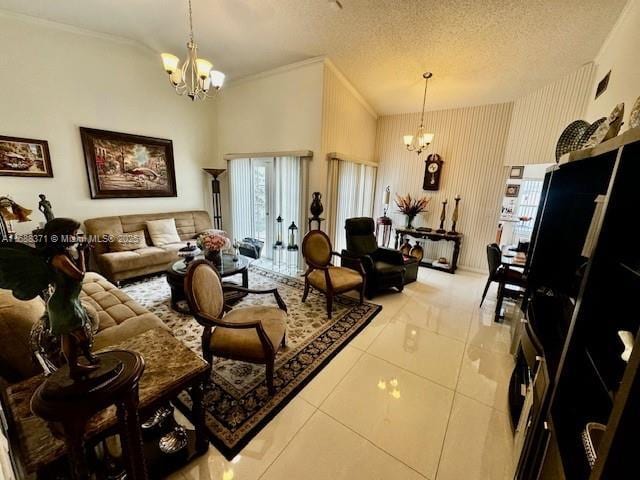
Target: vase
[[410, 219], [214, 257], [316, 205]]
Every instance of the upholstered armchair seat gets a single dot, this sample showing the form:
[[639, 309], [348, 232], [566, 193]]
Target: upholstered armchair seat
[[384, 267], [342, 279], [244, 343], [249, 334], [325, 277]]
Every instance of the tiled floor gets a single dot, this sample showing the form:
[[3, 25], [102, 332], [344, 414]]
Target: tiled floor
[[420, 393]]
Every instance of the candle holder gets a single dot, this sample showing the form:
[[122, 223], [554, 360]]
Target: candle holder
[[443, 216], [454, 217]]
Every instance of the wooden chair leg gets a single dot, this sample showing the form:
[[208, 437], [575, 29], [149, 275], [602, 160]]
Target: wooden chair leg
[[486, 289], [329, 305], [306, 290], [270, 386]]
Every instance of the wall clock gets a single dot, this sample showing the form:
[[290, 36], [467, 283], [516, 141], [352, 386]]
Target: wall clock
[[432, 172]]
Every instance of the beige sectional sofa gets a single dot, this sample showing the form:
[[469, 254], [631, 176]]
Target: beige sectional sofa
[[117, 266], [120, 318]]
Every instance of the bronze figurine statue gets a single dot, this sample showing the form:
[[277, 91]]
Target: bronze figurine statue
[[57, 260], [45, 207]]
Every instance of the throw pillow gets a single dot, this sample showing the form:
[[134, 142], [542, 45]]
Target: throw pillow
[[128, 241], [163, 231]]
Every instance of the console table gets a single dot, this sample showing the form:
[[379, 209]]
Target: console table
[[433, 236]]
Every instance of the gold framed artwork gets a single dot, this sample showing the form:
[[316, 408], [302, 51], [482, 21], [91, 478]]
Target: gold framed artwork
[[121, 165], [24, 157]]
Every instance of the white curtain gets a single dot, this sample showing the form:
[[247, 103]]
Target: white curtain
[[353, 196], [289, 196], [241, 197]]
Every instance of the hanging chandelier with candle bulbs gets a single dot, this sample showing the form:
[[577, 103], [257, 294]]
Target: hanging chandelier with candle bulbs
[[421, 139], [196, 78]]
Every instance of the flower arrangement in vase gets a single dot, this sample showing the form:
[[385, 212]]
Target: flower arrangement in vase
[[411, 207], [212, 243]]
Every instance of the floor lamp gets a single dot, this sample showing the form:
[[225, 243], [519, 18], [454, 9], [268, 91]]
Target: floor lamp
[[215, 195]]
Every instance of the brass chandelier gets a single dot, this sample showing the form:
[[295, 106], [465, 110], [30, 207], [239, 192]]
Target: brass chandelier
[[196, 78], [422, 139]]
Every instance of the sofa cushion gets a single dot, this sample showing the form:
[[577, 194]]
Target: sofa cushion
[[16, 319], [128, 241], [145, 257], [163, 231]]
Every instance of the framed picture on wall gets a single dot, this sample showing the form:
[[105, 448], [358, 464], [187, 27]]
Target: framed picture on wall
[[24, 157], [513, 190], [121, 165], [516, 172]]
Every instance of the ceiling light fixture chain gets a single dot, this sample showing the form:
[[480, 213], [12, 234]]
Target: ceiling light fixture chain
[[196, 78], [421, 140]]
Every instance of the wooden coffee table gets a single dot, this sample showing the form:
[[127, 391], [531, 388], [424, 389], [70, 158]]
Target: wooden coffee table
[[170, 368], [178, 270]]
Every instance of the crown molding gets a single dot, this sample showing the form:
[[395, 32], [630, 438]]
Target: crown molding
[[64, 27], [345, 81], [275, 71]]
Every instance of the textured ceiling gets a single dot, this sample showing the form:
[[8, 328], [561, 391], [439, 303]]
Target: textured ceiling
[[480, 51]]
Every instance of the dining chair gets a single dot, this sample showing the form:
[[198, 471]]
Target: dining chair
[[325, 277], [249, 334], [504, 276]]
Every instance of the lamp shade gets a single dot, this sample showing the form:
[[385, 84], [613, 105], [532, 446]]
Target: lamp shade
[[217, 79], [170, 62], [426, 139], [203, 67], [407, 139]]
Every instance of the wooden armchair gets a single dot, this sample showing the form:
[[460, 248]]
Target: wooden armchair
[[249, 334], [323, 276]]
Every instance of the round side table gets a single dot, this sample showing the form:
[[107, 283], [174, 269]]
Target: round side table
[[386, 223], [72, 404]]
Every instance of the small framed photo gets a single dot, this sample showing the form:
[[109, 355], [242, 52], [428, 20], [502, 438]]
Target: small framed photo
[[517, 172], [24, 157], [513, 190]]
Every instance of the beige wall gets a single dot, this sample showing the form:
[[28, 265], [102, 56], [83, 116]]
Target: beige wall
[[472, 143], [348, 121], [620, 54], [540, 117], [54, 79]]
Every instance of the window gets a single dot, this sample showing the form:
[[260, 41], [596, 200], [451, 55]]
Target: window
[[529, 199]]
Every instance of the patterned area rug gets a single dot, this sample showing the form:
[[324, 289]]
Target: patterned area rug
[[237, 403]]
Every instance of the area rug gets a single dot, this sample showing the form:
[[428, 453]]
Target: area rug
[[237, 402]]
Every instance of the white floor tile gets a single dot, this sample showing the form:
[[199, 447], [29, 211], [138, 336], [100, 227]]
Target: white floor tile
[[322, 385], [485, 376], [488, 334], [446, 320], [254, 459], [404, 414], [327, 450], [478, 444], [420, 351]]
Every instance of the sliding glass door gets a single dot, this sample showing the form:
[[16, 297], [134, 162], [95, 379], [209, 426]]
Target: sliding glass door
[[263, 199], [263, 189]]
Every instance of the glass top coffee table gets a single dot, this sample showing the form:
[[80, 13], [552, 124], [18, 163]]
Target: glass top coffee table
[[178, 270]]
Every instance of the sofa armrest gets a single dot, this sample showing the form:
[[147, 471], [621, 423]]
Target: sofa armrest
[[388, 255], [350, 260]]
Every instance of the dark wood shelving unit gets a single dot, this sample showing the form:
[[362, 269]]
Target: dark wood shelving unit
[[576, 306]]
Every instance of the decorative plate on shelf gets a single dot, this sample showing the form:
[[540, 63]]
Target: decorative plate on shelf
[[569, 140], [634, 118], [609, 128], [590, 131]]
